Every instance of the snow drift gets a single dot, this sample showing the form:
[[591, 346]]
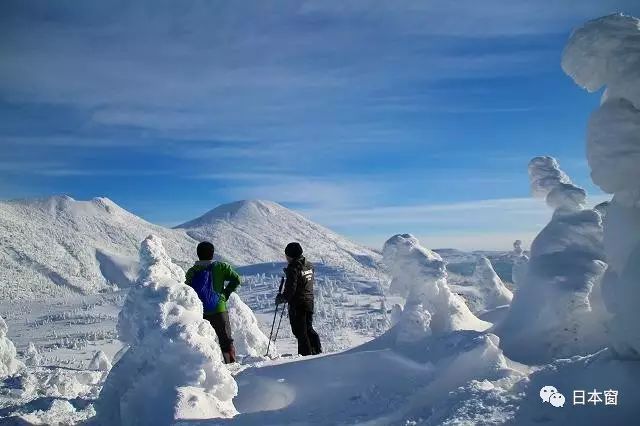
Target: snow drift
[[173, 368], [606, 53], [551, 315], [381, 382], [9, 364], [420, 276]]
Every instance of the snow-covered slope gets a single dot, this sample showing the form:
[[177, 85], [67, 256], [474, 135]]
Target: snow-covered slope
[[251, 232], [57, 246]]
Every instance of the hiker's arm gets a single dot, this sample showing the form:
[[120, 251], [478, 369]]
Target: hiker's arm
[[234, 280], [290, 284], [188, 277]]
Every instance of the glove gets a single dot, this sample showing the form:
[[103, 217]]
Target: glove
[[280, 299], [227, 293]]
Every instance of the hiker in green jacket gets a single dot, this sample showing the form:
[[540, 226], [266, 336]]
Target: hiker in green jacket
[[208, 279]]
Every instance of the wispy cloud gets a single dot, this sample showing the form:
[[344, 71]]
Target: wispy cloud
[[480, 224], [36, 168], [360, 113]]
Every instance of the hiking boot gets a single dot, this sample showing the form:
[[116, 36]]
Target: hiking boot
[[230, 356]]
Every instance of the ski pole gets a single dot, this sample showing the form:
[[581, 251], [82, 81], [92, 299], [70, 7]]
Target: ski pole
[[275, 314], [279, 322]]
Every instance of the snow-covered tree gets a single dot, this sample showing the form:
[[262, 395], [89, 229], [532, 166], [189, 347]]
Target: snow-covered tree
[[32, 357], [550, 315], [9, 364], [606, 53], [173, 368], [248, 339], [100, 362], [493, 291], [420, 275], [520, 262]]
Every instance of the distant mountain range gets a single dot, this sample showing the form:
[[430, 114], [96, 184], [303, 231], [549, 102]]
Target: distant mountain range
[[57, 246]]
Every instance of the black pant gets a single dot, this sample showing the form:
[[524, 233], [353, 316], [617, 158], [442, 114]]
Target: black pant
[[222, 327], [302, 326]]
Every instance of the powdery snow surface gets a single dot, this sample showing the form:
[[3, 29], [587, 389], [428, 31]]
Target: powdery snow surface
[[378, 383], [606, 53], [173, 368], [252, 232]]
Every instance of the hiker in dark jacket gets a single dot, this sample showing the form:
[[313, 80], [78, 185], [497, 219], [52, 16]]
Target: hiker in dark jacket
[[205, 276], [298, 293]]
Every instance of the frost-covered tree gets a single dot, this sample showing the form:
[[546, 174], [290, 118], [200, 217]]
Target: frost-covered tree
[[32, 357], [9, 364], [396, 314], [550, 315], [173, 368], [520, 262], [100, 362], [488, 283], [248, 339], [606, 53], [420, 276]]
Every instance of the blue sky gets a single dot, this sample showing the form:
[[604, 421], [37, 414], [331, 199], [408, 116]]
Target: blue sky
[[369, 117]]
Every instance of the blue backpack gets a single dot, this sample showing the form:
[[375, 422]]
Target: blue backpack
[[202, 283]]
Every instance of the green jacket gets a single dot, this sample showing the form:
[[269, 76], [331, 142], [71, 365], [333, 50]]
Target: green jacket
[[221, 272]]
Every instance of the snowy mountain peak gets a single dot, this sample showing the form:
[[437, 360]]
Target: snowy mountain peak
[[57, 246], [56, 205], [238, 210], [250, 232]]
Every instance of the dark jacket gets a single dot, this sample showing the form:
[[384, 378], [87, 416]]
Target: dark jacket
[[298, 287]]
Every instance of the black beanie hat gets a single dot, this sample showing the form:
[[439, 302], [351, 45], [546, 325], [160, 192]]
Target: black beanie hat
[[293, 250], [205, 250]]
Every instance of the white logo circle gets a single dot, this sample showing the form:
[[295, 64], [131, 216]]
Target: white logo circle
[[546, 392]]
